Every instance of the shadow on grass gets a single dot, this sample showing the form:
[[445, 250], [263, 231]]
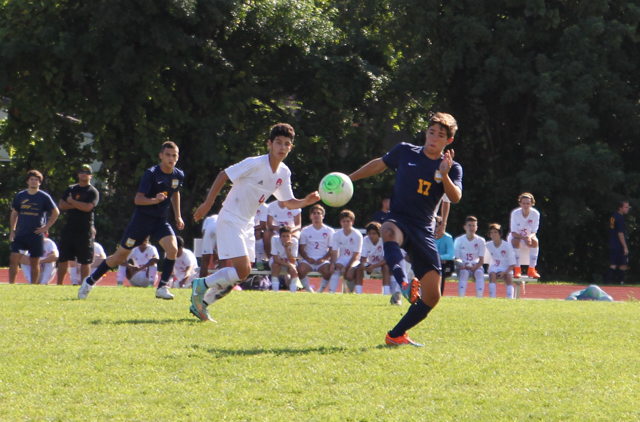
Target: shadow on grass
[[146, 321], [288, 351]]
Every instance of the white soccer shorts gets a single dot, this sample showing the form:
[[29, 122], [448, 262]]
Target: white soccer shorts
[[209, 242], [314, 267], [235, 238]]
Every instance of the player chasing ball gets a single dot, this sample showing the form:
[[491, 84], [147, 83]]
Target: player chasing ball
[[424, 175]]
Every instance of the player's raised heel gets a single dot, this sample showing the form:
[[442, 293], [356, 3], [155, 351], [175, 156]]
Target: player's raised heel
[[531, 272], [85, 288], [163, 293], [411, 290], [403, 340], [517, 272]]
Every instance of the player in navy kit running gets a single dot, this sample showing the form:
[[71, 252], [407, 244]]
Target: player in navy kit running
[[424, 175], [157, 192]]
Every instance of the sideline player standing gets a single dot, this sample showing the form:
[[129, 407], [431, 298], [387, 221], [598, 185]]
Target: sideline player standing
[[525, 222], [28, 224], [76, 239], [424, 175], [618, 250], [254, 180], [157, 192]]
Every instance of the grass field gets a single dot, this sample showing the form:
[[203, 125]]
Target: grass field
[[122, 355]]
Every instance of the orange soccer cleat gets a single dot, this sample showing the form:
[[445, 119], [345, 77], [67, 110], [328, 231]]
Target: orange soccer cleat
[[411, 291], [403, 340], [531, 272], [517, 272]]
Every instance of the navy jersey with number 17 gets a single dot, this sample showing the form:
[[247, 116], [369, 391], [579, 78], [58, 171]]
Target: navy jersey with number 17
[[418, 188]]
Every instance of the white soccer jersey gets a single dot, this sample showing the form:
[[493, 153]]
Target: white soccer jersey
[[373, 253], [470, 251], [277, 248], [98, 251], [283, 216], [525, 226], [141, 258], [253, 183], [209, 238], [347, 245], [262, 214], [317, 242], [183, 263], [502, 257]]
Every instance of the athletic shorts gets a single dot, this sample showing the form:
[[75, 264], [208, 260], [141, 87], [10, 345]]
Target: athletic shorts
[[498, 270], [235, 238], [420, 244], [209, 244], [314, 267], [32, 242], [617, 257], [142, 226], [76, 246], [344, 260]]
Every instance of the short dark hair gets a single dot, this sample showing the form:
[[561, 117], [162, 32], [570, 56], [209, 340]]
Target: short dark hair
[[622, 202], [169, 144], [282, 129], [34, 173], [317, 207], [180, 241], [446, 121], [284, 229], [495, 226], [375, 226], [347, 214], [470, 218]]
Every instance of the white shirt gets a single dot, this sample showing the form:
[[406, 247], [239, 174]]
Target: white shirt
[[373, 253], [317, 242], [502, 257], [210, 224], [253, 183], [347, 245], [525, 226], [183, 263], [98, 251], [283, 216], [278, 249], [470, 251], [262, 214], [141, 258]]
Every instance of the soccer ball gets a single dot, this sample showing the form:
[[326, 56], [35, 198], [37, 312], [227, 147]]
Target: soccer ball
[[336, 189]]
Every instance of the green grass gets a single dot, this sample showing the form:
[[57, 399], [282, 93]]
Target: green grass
[[122, 355]]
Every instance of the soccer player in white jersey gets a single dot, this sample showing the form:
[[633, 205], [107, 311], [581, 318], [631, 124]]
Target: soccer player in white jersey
[[372, 259], [254, 180], [278, 216], [186, 267], [47, 262], [503, 261], [315, 249], [260, 225], [345, 256], [525, 222], [209, 244], [284, 253], [143, 271], [470, 249]]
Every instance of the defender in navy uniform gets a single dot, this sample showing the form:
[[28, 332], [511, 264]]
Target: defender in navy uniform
[[424, 175], [157, 192], [618, 250]]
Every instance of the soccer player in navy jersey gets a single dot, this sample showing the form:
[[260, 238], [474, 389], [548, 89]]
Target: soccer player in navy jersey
[[619, 252], [424, 175], [157, 192]]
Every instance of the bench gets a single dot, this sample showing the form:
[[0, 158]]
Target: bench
[[517, 281], [313, 274]]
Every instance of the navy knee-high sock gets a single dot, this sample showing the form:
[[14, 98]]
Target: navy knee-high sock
[[416, 313], [621, 274], [99, 272], [609, 275], [167, 270], [393, 257]]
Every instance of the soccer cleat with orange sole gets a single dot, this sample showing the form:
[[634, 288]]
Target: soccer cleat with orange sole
[[411, 291], [403, 340], [517, 272], [531, 272]]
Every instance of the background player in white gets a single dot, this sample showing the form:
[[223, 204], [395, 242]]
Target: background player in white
[[209, 244], [47, 262], [503, 261], [186, 267], [315, 248], [143, 271], [525, 222], [254, 180], [279, 215], [284, 252], [372, 259], [470, 249], [260, 225], [99, 255], [345, 255]]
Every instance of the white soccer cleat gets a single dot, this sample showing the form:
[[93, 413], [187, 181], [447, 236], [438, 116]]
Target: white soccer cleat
[[85, 288], [163, 293]]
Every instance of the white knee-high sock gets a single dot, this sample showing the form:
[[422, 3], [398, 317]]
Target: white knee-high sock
[[480, 287], [293, 286], [275, 284], [122, 273], [533, 257], [334, 281], [358, 290], [517, 252], [307, 285], [74, 275], [386, 290], [462, 283], [510, 292], [492, 290], [222, 282]]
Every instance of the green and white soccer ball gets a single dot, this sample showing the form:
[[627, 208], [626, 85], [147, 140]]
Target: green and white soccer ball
[[336, 189]]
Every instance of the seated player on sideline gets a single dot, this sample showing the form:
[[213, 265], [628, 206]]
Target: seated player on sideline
[[47, 263], [186, 268], [278, 216], [142, 273], [470, 250], [260, 225], [503, 261], [315, 249], [284, 252], [372, 259], [525, 222], [345, 255], [209, 245], [424, 175], [447, 253]]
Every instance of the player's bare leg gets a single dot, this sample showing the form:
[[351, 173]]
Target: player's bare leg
[[35, 269], [275, 276], [63, 268]]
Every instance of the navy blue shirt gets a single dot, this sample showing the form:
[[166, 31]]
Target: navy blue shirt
[[380, 216], [617, 225], [418, 188], [32, 211], [154, 181]]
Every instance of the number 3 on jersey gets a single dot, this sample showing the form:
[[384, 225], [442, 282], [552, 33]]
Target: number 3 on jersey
[[423, 187]]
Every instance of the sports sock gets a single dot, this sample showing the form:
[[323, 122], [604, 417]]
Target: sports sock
[[74, 275], [492, 290], [259, 250], [510, 292], [222, 282], [517, 252], [462, 283], [293, 287], [153, 272], [275, 284], [323, 285], [351, 285], [98, 273], [480, 287], [306, 284], [621, 274], [609, 275], [334, 281], [386, 290], [416, 313], [479, 275], [122, 273], [209, 297], [393, 257], [394, 287], [358, 290], [167, 270], [533, 257]]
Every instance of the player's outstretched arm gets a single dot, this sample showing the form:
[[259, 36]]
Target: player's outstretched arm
[[310, 199], [372, 168], [203, 209]]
